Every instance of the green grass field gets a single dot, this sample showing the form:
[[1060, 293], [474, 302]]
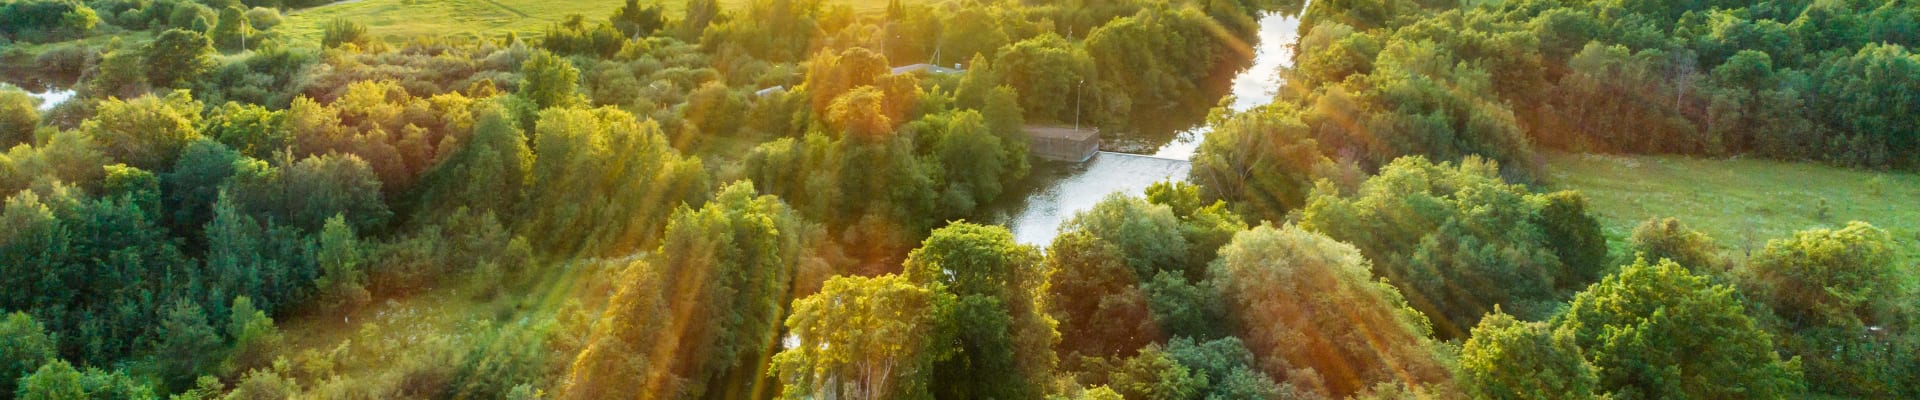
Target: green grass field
[[1742, 203], [398, 19]]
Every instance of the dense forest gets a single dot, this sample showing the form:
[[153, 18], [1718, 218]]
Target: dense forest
[[727, 199]]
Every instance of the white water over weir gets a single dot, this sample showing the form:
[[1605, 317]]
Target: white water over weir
[[1057, 191]]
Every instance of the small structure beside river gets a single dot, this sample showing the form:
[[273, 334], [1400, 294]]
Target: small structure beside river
[[1062, 143]]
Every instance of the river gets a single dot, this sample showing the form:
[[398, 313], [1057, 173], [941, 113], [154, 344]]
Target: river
[[1056, 191]]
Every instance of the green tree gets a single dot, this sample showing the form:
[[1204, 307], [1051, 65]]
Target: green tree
[[635, 20], [549, 81], [254, 337], [1002, 338], [1096, 299], [193, 185], [54, 380], [862, 337], [1047, 72], [232, 30], [1511, 359], [177, 57], [1846, 277], [340, 31], [488, 174], [1280, 285], [186, 346], [974, 163], [1154, 375], [607, 169], [18, 118], [1658, 331], [148, 132], [1668, 239], [1456, 239], [1230, 369], [1148, 235], [728, 266], [1844, 302], [1265, 161], [121, 73], [343, 278], [24, 347], [1575, 237]]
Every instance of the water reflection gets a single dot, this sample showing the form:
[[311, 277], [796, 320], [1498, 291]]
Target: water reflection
[[1069, 188], [1057, 191], [1253, 88]]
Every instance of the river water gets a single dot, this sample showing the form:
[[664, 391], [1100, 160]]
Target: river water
[[1056, 191]]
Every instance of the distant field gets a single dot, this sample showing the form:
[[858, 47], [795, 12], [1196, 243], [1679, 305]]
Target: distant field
[[396, 19], [1741, 203]]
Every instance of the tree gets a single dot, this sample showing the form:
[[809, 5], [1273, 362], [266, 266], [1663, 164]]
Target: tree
[[968, 32], [1511, 359], [121, 72], [186, 346], [490, 173], [342, 281], [254, 337], [1668, 239], [232, 30], [177, 57], [331, 186], [1456, 239], [549, 81], [1659, 331], [24, 348], [54, 380], [1228, 367], [1148, 235], [1265, 161], [1311, 311], [607, 169], [18, 118], [193, 186], [698, 15], [1096, 299], [635, 21], [1575, 237], [729, 266], [340, 31], [1844, 303], [1154, 375], [147, 132], [1047, 72], [862, 338], [1002, 338], [42, 21], [974, 163], [1868, 97]]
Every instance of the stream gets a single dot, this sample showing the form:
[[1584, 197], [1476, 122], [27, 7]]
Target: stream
[[1056, 190]]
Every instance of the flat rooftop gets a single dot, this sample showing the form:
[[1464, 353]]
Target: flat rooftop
[[1061, 132]]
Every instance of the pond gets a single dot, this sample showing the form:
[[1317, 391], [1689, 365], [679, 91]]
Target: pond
[[48, 97], [1056, 191]]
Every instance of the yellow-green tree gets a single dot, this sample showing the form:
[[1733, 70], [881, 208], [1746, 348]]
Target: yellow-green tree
[[1510, 359], [859, 337], [1658, 331], [1002, 337], [1311, 311]]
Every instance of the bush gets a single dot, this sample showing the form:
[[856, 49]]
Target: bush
[[1667, 239]]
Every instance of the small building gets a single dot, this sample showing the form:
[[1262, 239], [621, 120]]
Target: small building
[[1062, 143]]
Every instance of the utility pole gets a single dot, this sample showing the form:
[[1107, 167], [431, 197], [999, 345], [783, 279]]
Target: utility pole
[[1076, 103]]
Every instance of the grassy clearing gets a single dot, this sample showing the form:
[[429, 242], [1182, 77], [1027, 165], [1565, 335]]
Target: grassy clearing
[[398, 19], [1742, 203]]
